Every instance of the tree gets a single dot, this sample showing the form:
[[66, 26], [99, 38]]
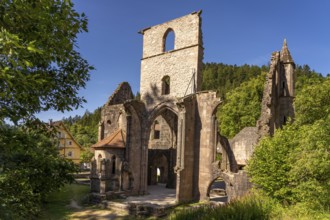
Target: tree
[[242, 107], [40, 68], [30, 168], [313, 102], [293, 166]]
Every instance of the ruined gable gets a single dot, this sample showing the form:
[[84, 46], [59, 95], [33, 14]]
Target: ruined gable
[[121, 94], [113, 115]]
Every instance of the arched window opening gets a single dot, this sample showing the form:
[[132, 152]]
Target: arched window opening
[[217, 191], [166, 85], [284, 120], [156, 130], [169, 40], [113, 165], [109, 122]]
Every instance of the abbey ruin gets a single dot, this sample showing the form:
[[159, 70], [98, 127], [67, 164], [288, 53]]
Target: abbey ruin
[[171, 135]]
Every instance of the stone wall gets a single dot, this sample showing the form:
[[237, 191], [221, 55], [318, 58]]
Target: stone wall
[[182, 65], [279, 91], [206, 140], [165, 139], [243, 144]]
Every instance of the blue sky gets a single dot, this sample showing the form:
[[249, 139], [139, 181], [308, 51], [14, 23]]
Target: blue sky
[[234, 32]]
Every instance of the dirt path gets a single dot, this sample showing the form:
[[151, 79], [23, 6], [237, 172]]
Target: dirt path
[[98, 214]]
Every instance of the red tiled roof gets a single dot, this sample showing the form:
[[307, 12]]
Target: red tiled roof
[[115, 140]]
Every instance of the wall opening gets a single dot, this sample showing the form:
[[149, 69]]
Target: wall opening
[[217, 191], [156, 130], [166, 85], [169, 40], [113, 171], [162, 151]]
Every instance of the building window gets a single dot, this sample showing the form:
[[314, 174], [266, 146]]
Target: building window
[[166, 85], [156, 130], [70, 154], [70, 142], [169, 40]]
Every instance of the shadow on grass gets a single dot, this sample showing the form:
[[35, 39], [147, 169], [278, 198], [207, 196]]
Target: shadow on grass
[[71, 202], [57, 205]]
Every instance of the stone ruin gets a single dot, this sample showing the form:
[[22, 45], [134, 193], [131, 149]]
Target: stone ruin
[[171, 135]]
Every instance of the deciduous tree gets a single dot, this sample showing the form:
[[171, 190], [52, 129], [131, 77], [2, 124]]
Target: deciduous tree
[[40, 67]]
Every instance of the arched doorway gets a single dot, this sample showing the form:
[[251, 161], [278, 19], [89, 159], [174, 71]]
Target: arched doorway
[[158, 168], [217, 191], [162, 149]]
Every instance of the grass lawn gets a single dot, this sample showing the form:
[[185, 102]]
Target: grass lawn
[[58, 203]]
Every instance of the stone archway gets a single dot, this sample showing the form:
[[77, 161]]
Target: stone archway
[[158, 168], [217, 190], [162, 138]]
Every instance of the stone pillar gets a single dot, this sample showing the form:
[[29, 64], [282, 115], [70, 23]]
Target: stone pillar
[[206, 104], [104, 176], [95, 181]]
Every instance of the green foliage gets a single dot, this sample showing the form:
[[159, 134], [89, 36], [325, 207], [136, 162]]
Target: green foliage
[[40, 69], [242, 99], [313, 102], [305, 77], [293, 166], [245, 208], [242, 107], [39, 66], [30, 168], [223, 78], [269, 166]]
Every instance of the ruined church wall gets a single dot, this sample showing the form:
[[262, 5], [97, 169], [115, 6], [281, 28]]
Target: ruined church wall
[[207, 103], [243, 144], [113, 117], [135, 153], [186, 153], [166, 138]]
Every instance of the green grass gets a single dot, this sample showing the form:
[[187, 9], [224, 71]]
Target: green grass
[[246, 208], [251, 207], [58, 203]]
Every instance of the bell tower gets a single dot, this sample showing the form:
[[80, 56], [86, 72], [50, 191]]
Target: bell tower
[[286, 86]]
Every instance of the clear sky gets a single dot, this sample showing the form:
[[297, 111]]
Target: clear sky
[[234, 32]]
